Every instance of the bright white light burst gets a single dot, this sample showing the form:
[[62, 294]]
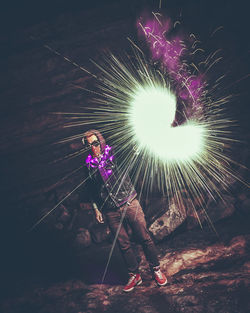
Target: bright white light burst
[[135, 108], [151, 112]]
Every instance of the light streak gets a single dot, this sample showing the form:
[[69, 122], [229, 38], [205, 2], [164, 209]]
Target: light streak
[[61, 201]]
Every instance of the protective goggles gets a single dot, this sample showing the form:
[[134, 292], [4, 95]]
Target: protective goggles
[[95, 143]]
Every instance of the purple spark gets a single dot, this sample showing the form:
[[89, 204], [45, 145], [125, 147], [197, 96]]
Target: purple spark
[[104, 161], [170, 50]]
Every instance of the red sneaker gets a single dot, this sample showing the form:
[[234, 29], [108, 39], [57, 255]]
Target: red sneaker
[[135, 279], [160, 278]]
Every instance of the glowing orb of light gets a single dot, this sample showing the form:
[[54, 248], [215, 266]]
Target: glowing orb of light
[[151, 112]]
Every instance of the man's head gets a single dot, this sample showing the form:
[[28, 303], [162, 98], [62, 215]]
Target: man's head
[[95, 141]]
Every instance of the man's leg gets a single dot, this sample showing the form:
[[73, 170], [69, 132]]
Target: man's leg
[[136, 218], [114, 220]]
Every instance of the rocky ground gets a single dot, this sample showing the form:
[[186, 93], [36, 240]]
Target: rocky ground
[[207, 273]]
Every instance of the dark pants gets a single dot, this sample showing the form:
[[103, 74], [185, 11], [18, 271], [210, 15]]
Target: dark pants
[[136, 219]]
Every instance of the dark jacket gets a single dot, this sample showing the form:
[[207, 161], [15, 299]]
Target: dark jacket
[[110, 187]]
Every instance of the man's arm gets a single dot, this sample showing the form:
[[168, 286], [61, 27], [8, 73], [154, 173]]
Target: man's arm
[[91, 195]]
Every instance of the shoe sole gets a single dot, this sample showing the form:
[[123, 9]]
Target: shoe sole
[[132, 288], [164, 284]]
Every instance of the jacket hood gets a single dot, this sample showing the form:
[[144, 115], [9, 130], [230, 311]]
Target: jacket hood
[[97, 134]]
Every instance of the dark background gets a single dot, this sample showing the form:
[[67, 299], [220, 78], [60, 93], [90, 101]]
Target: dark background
[[36, 82]]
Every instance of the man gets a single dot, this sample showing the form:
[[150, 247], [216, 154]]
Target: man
[[114, 195]]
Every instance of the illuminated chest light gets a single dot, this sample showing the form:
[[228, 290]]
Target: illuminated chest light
[[151, 112]]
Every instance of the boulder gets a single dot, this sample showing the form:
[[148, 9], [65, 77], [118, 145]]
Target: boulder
[[191, 258], [83, 238], [154, 206], [100, 233], [64, 215], [244, 202], [168, 222], [212, 212]]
